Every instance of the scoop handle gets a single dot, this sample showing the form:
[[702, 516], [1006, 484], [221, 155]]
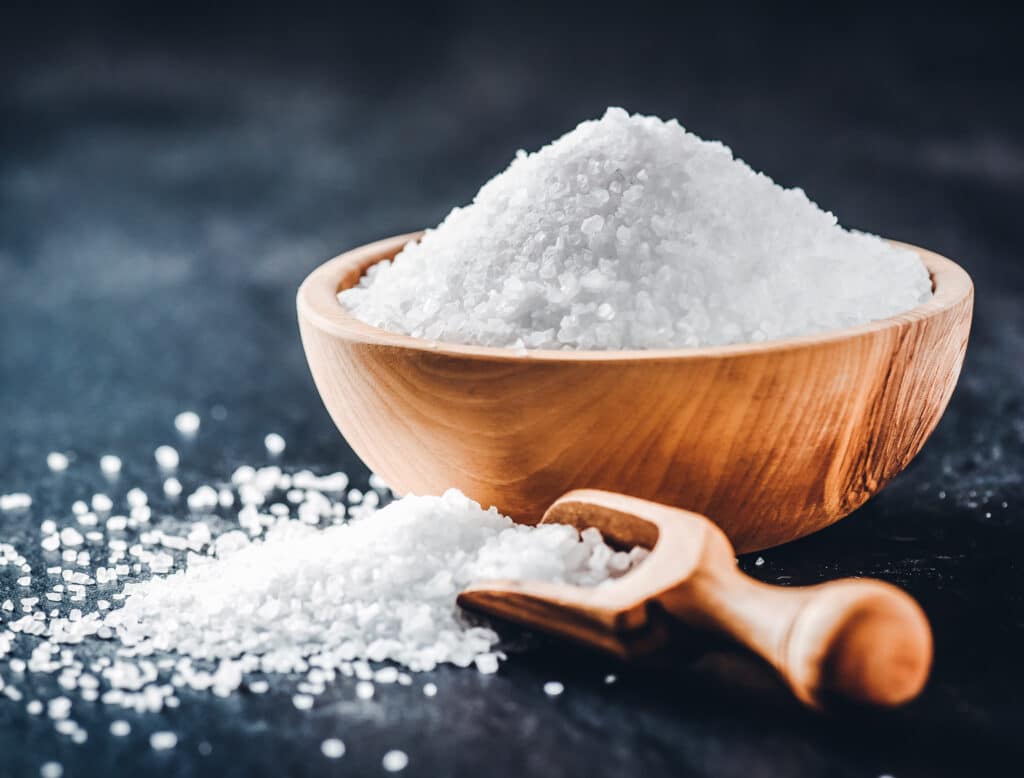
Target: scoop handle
[[860, 639]]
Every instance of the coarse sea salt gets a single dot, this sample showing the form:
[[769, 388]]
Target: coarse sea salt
[[378, 588], [219, 598], [629, 232]]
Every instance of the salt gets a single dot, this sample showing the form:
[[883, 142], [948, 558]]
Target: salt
[[120, 728], [162, 741], [400, 569], [553, 688], [166, 457], [57, 461], [110, 464], [332, 748], [187, 423], [395, 761], [172, 487], [274, 443], [630, 232], [17, 501]]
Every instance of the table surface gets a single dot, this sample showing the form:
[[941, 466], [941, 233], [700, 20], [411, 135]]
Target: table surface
[[167, 181]]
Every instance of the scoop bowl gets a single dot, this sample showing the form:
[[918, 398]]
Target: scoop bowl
[[771, 440]]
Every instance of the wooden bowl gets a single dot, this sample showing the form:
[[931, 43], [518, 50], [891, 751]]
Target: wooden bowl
[[770, 440]]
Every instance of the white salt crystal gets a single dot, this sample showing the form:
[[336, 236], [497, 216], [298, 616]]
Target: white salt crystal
[[71, 537], [275, 444], [486, 664], [101, 503], [364, 690], [57, 461], [553, 688], [187, 422], [429, 690], [162, 741], [630, 232], [136, 498], [332, 748], [58, 708], [51, 770], [120, 728], [243, 475], [166, 457], [395, 760], [17, 501], [302, 701], [110, 464], [172, 487]]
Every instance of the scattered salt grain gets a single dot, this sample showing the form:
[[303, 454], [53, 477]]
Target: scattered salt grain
[[120, 728], [172, 487], [275, 444], [71, 537], [187, 422], [629, 232], [364, 690], [136, 498], [395, 761], [332, 748], [759, 561], [57, 461], [553, 688], [34, 708], [166, 457], [486, 664], [18, 501], [162, 741], [51, 770], [110, 464], [610, 679], [101, 503], [58, 708], [429, 690], [302, 701]]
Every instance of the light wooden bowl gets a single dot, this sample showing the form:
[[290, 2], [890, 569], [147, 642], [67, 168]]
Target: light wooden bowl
[[770, 440]]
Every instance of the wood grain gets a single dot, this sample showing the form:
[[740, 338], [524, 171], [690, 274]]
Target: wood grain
[[860, 640], [772, 440]]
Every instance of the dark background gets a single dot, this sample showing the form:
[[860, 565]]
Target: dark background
[[168, 175]]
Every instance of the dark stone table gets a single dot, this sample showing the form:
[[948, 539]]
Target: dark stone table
[[168, 178]]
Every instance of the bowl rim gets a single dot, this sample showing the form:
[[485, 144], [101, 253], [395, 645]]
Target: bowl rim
[[317, 302]]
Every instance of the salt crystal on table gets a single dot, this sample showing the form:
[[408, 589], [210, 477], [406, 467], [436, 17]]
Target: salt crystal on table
[[395, 760], [110, 464], [166, 457], [332, 748], [275, 444], [57, 461], [553, 688], [187, 422], [162, 741]]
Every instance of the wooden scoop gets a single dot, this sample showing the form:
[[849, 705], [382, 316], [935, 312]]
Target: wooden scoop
[[859, 639]]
